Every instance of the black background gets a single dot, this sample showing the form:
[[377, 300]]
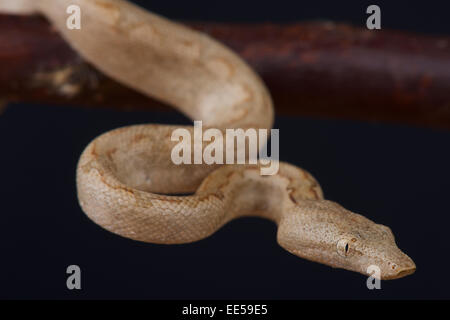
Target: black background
[[395, 175]]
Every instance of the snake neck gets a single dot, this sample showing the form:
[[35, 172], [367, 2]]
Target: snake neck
[[245, 192]]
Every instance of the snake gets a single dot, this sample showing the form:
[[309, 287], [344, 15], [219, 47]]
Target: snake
[[127, 182]]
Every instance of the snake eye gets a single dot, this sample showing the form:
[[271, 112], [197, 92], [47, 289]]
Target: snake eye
[[343, 247]]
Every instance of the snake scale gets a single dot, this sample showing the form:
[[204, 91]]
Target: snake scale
[[127, 182]]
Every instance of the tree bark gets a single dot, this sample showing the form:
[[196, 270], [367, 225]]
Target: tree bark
[[311, 69]]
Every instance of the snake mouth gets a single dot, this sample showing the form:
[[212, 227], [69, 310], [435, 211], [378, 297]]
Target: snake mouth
[[405, 272], [401, 272]]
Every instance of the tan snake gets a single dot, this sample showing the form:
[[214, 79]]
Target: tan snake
[[123, 174]]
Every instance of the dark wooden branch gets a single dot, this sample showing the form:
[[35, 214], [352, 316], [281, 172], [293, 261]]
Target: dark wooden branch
[[312, 69]]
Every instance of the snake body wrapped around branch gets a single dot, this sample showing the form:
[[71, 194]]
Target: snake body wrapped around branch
[[123, 174]]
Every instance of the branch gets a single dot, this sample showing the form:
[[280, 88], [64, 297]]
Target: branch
[[311, 69]]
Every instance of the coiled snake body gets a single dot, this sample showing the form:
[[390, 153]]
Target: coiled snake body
[[122, 174]]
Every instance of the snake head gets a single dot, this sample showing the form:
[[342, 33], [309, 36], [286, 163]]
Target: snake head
[[325, 232]]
